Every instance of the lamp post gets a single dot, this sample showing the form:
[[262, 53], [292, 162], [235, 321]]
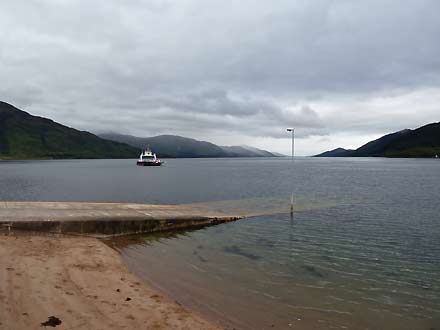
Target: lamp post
[[293, 155], [293, 140]]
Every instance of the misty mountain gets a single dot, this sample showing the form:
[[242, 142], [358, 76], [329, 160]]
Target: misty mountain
[[246, 151], [174, 146], [423, 142], [23, 136]]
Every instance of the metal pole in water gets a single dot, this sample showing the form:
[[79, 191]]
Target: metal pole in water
[[292, 130]]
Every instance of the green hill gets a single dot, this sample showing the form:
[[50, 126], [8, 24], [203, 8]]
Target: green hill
[[423, 142], [23, 136]]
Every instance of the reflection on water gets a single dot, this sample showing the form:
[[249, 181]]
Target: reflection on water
[[323, 269], [266, 205]]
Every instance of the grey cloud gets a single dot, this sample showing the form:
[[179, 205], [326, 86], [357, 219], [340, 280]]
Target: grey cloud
[[216, 111], [247, 67]]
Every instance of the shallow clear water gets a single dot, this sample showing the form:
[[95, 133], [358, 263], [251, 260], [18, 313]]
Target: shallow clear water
[[361, 252]]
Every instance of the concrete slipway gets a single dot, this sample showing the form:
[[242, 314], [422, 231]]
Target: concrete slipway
[[105, 219]]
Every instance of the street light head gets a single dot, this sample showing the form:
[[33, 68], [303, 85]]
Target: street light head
[[290, 129]]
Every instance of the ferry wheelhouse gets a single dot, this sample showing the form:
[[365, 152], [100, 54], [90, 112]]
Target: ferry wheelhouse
[[148, 158]]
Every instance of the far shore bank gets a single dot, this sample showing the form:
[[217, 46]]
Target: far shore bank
[[84, 284]]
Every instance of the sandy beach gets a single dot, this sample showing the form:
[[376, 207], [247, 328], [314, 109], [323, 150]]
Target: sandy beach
[[83, 284]]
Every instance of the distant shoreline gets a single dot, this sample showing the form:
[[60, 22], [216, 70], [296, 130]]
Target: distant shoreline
[[134, 158]]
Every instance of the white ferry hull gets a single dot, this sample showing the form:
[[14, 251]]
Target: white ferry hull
[[141, 163]]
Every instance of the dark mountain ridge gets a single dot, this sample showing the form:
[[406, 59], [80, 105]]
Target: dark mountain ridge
[[423, 142], [338, 152], [24, 136]]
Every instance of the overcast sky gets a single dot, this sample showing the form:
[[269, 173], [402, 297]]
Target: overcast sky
[[230, 72]]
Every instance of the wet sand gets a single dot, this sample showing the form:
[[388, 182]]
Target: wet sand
[[83, 283]]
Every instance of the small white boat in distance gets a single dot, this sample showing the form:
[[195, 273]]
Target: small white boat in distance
[[147, 158]]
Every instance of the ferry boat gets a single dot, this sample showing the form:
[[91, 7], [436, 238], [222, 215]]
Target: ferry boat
[[148, 158]]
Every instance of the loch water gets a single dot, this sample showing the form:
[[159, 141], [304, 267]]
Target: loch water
[[361, 251]]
